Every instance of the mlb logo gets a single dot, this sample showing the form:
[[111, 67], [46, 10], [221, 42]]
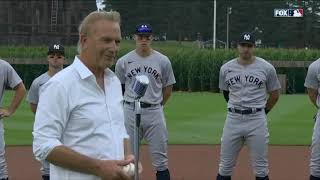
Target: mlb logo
[[298, 13]]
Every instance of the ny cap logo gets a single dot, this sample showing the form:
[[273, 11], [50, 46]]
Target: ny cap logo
[[246, 37], [56, 46]]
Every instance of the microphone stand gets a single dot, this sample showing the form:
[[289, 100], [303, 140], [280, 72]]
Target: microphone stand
[[139, 87], [137, 108]]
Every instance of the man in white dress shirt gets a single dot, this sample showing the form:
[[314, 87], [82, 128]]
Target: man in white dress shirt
[[79, 125]]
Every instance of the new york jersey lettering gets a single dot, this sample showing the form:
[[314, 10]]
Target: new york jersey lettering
[[233, 80], [247, 78], [144, 70], [133, 72]]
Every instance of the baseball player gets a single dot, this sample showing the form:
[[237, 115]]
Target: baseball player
[[56, 60], [146, 61], [251, 88], [312, 83], [8, 78]]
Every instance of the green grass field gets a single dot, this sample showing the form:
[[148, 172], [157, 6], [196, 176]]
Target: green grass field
[[197, 118]]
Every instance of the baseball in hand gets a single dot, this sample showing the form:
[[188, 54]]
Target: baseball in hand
[[129, 169]]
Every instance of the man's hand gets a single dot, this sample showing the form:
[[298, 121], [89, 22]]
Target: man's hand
[[130, 158], [112, 169], [5, 113]]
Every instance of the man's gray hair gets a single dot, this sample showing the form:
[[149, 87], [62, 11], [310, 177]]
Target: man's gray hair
[[85, 26]]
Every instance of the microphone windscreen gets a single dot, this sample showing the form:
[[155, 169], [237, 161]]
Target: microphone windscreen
[[140, 85]]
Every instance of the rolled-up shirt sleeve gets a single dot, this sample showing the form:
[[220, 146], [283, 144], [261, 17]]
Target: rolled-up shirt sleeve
[[50, 120]]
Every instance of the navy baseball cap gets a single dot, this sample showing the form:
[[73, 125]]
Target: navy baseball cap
[[144, 29], [247, 38], [56, 48]]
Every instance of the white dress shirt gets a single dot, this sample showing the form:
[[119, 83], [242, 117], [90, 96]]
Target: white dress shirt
[[75, 112]]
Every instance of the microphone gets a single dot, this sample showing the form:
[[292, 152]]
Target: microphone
[[140, 85]]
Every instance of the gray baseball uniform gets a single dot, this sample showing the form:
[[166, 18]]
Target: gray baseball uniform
[[8, 78], [313, 81], [246, 120], [33, 97], [153, 126], [33, 94]]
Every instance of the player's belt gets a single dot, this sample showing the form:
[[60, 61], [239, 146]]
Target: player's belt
[[244, 111], [142, 104]]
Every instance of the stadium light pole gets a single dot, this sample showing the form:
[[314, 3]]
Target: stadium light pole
[[229, 11], [214, 24]]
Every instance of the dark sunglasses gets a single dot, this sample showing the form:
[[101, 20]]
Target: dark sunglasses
[[141, 36]]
